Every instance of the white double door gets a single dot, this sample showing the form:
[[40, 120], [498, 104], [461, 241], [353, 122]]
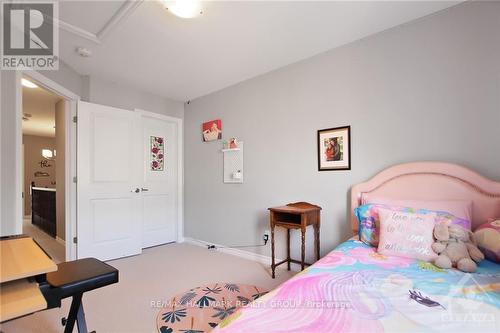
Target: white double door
[[127, 167]]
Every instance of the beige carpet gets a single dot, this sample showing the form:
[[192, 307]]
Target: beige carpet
[[154, 276]]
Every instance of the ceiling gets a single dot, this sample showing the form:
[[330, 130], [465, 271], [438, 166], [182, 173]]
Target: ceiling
[[40, 104], [141, 44]]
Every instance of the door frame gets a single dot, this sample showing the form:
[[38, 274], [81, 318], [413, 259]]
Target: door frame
[[180, 167], [70, 153]]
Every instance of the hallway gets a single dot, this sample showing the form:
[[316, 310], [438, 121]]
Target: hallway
[[50, 245]]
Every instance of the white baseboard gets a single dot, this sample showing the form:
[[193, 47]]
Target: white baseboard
[[266, 260], [60, 240]]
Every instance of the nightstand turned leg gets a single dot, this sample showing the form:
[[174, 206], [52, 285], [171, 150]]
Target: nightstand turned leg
[[288, 248], [318, 225], [272, 250], [316, 240], [303, 254]]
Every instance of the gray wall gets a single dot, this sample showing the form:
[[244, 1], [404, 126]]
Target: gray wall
[[66, 77], [122, 96], [427, 90], [107, 92]]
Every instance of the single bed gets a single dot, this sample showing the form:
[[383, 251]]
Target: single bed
[[355, 289]]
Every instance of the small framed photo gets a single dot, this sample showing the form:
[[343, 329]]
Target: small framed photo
[[334, 148], [212, 130]]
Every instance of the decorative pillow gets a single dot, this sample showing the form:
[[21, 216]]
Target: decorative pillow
[[406, 234], [487, 237], [458, 208], [368, 219]]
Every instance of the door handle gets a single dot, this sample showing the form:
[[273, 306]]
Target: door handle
[[136, 190], [144, 189]]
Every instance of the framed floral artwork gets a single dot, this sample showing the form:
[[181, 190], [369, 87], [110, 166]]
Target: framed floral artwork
[[334, 148], [157, 153], [212, 130]]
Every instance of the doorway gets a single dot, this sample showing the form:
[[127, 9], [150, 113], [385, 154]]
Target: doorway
[[55, 123], [43, 167], [109, 175]]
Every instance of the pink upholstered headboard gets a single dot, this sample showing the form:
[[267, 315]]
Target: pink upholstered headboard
[[432, 181]]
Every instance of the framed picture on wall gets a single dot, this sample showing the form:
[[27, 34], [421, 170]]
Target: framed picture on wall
[[212, 130], [334, 149]]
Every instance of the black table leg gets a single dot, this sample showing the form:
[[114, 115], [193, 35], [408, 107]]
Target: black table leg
[[80, 320], [76, 314]]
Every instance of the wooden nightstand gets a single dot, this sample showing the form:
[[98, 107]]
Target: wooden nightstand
[[295, 216]]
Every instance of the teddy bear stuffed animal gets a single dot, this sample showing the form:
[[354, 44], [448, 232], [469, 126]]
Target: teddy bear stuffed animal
[[455, 247]]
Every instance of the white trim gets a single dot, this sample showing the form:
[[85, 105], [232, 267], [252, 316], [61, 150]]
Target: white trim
[[70, 167], [78, 31], [123, 12], [180, 168], [180, 181], [19, 142], [51, 85], [71, 187], [260, 258]]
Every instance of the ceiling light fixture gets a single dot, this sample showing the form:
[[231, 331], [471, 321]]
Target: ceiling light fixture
[[184, 8], [28, 84], [47, 154]]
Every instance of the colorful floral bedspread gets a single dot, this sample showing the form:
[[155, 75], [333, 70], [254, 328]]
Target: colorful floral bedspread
[[355, 289]]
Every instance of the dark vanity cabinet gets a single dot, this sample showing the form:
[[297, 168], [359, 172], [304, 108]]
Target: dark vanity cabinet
[[43, 209]]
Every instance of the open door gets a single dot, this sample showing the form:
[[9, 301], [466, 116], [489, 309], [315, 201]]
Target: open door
[[108, 167]]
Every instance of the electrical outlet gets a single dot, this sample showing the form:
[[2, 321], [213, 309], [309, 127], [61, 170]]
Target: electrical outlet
[[265, 237]]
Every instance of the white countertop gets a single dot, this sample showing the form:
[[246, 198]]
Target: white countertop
[[44, 189]]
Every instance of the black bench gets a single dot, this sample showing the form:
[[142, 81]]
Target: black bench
[[72, 279]]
